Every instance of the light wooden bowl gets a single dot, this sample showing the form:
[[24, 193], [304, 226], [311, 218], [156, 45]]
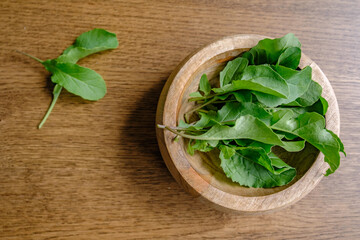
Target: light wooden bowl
[[201, 174]]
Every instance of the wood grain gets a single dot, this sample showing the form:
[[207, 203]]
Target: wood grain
[[95, 172]]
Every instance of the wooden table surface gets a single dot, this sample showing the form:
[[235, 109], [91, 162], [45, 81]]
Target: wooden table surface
[[95, 172]]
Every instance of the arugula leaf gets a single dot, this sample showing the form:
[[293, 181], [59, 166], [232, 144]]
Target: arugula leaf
[[227, 115], [227, 152], [233, 110], [324, 105], [205, 85], [90, 42], [258, 78], [248, 127], [293, 146], [243, 142], [241, 168], [247, 143], [279, 164], [266, 147], [298, 82], [195, 95], [242, 96], [311, 127], [339, 142], [78, 80], [309, 97], [288, 136], [258, 155], [269, 50], [320, 106], [200, 145], [290, 58], [206, 120], [233, 68], [323, 140]]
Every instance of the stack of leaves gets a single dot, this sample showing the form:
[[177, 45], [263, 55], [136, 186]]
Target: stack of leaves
[[263, 101], [78, 80]]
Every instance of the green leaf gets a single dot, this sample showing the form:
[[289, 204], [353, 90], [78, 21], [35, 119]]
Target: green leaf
[[283, 119], [226, 142], [325, 142], [190, 149], [311, 127], [205, 85], [324, 104], [195, 95], [227, 115], [241, 168], [309, 97], [233, 110], [200, 145], [78, 80], [290, 58], [269, 50], [233, 68], [203, 122], [288, 136], [290, 146], [249, 143], [242, 96], [88, 43], [242, 142], [257, 154], [258, 78], [298, 82], [266, 147], [320, 106], [247, 127], [294, 146], [279, 164], [227, 152], [339, 142]]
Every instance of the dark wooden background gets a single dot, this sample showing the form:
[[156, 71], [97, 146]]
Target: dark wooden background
[[95, 172]]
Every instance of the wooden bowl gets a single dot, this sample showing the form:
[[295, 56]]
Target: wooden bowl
[[201, 174]]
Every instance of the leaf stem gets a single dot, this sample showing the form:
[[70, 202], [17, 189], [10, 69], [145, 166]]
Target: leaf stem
[[202, 110], [180, 133], [225, 101], [56, 93], [181, 129], [204, 98], [201, 106], [187, 130], [30, 56]]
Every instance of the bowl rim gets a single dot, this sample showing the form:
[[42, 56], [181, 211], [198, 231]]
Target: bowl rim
[[188, 177]]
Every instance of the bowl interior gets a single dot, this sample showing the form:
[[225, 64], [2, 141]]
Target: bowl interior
[[207, 165]]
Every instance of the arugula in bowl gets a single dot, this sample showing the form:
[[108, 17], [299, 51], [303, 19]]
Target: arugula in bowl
[[263, 100]]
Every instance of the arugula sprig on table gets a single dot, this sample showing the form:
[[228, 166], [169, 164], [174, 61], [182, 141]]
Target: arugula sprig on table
[[78, 80], [263, 101]]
